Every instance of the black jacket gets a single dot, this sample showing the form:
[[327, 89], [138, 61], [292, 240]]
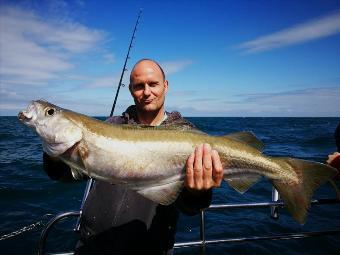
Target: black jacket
[[117, 220]]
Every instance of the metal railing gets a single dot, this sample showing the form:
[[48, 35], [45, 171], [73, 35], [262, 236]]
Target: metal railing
[[48, 228], [275, 204]]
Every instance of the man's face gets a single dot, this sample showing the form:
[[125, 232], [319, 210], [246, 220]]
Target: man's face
[[147, 86]]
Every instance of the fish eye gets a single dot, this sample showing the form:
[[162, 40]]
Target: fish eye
[[50, 111]]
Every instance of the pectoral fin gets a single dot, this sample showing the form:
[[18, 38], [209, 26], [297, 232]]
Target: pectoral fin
[[163, 194], [84, 154], [77, 175]]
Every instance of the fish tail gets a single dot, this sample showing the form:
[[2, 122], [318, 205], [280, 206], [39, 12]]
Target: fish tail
[[297, 194]]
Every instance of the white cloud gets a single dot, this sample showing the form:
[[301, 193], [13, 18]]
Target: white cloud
[[312, 102], [171, 67], [103, 82], [310, 30], [34, 50], [109, 58], [307, 102]]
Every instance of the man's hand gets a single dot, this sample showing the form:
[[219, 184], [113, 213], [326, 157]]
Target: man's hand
[[203, 169]]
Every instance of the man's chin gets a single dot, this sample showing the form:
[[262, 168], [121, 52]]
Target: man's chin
[[149, 108]]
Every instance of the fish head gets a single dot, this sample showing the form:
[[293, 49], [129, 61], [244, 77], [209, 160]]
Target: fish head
[[58, 133]]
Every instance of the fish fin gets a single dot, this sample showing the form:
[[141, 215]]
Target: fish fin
[[76, 174], [248, 138], [163, 194], [76, 170], [242, 182], [297, 194]]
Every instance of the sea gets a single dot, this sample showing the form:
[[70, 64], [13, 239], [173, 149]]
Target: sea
[[28, 196]]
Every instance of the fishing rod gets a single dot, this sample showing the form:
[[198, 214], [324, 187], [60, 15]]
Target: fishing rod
[[126, 59], [90, 181]]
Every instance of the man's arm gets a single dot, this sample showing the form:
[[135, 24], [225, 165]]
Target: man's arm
[[56, 169], [204, 171]]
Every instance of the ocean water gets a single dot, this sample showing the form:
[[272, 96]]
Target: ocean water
[[27, 194]]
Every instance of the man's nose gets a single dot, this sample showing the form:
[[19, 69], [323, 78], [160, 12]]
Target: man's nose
[[147, 90]]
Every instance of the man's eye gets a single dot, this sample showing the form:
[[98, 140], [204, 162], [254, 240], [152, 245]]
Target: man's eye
[[138, 86], [153, 84]]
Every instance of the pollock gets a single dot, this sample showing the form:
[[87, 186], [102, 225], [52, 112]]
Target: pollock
[[151, 160]]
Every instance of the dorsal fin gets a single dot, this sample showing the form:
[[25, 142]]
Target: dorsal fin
[[248, 138]]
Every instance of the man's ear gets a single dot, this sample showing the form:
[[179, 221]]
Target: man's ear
[[166, 86], [130, 86]]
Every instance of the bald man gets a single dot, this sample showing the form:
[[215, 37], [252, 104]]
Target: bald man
[[116, 220]]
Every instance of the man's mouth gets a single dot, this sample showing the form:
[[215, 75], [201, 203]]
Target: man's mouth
[[147, 101]]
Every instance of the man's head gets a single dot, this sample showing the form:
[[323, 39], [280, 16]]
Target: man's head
[[148, 86]]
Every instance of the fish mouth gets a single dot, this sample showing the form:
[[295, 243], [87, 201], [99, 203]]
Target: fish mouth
[[23, 118], [29, 115]]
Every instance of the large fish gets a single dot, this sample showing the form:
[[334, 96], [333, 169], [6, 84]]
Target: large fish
[[151, 160]]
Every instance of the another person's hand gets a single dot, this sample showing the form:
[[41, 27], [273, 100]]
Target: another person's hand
[[332, 157], [203, 169], [334, 161]]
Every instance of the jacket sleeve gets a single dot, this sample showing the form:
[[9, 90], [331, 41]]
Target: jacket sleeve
[[191, 204], [56, 169]]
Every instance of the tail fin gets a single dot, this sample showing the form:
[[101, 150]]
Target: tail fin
[[297, 195]]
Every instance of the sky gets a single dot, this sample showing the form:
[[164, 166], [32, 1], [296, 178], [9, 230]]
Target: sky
[[221, 58]]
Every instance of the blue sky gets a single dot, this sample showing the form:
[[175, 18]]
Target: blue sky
[[222, 58]]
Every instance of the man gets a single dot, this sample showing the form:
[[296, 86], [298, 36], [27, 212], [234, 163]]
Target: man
[[120, 221]]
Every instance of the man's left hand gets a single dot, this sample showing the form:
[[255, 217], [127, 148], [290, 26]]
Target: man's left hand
[[204, 169]]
